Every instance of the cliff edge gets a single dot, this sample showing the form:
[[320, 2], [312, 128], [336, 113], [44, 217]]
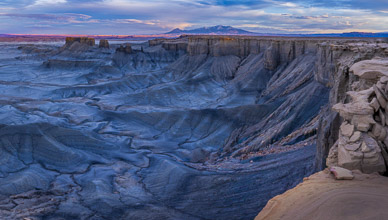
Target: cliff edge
[[361, 146]]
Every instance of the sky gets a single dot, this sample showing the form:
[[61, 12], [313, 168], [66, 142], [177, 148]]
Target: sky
[[129, 17]]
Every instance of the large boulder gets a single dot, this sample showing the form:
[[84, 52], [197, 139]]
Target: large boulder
[[370, 69], [347, 129], [341, 173]]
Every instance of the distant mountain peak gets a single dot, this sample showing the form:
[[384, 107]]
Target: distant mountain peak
[[176, 30], [223, 27], [218, 29]]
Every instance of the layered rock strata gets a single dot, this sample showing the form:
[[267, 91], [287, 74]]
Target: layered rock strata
[[75, 46], [82, 40], [178, 44]]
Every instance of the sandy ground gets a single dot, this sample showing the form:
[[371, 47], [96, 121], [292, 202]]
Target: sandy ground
[[320, 196]]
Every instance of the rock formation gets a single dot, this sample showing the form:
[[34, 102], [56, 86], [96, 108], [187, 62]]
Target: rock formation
[[126, 48], [81, 40], [361, 147], [334, 61], [76, 46], [363, 138], [157, 41], [103, 44], [341, 173], [179, 44]]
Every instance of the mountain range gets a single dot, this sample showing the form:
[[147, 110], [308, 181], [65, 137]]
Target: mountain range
[[229, 30], [214, 30]]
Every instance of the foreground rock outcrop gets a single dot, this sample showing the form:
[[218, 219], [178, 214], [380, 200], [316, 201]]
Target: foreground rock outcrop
[[320, 197], [333, 69], [361, 147], [363, 141]]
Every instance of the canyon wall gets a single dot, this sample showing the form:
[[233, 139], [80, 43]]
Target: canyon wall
[[329, 59]]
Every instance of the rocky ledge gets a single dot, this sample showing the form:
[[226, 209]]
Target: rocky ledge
[[320, 197], [363, 140]]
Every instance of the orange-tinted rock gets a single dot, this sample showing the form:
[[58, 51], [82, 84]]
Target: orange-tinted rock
[[82, 40], [103, 44], [321, 197]]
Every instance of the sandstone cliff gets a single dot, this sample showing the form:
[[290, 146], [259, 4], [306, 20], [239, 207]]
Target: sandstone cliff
[[103, 44], [76, 46], [81, 40]]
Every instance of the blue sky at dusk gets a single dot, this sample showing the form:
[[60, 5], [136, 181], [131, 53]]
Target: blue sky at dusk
[[157, 16]]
